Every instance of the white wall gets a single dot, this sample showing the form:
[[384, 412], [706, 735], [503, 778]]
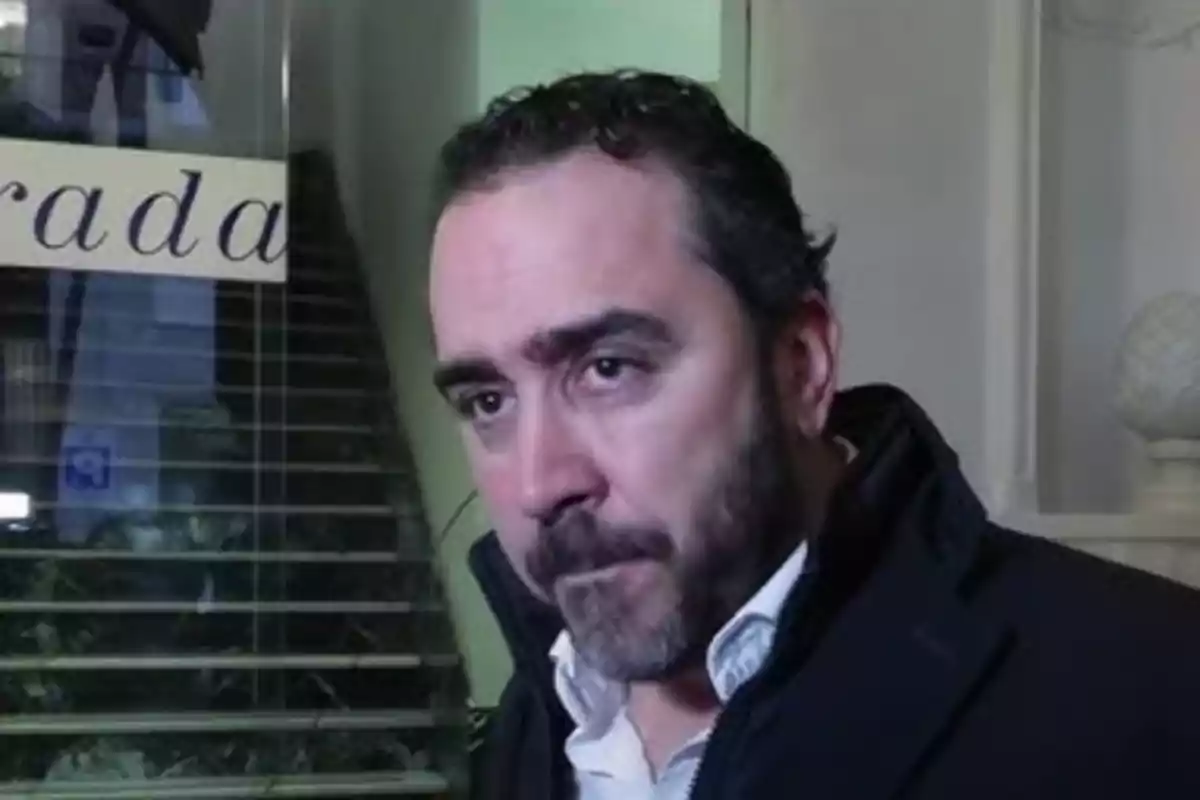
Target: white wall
[[879, 110], [1121, 172]]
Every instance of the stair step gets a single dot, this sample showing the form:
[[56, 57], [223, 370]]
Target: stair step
[[311, 449], [305, 281], [115, 287], [205, 368], [192, 685], [183, 425], [12, 316], [239, 484], [248, 532], [13, 551], [12, 462], [383, 719], [272, 404], [358, 785]]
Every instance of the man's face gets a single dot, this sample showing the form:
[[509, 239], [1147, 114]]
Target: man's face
[[628, 443]]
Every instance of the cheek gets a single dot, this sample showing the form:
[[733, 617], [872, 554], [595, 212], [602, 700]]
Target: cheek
[[497, 486], [670, 452], [499, 493]]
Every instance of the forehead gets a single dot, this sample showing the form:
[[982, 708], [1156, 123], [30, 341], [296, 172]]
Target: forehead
[[559, 242]]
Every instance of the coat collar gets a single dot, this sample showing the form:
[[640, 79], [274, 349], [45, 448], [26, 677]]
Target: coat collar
[[882, 648], [529, 626]]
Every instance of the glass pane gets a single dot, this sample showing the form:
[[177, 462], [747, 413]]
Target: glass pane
[[226, 571], [199, 76]]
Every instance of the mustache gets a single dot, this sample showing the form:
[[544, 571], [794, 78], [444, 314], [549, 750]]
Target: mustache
[[578, 542]]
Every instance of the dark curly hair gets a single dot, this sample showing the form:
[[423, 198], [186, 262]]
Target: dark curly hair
[[749, 227]]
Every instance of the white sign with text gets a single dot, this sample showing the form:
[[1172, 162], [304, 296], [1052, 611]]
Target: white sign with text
[[84, 207]]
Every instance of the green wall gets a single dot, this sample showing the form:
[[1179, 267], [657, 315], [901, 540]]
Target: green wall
[[416, 78], [528, 41]]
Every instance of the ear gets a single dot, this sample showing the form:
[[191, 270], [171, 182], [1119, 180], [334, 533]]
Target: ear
[[805, 360]]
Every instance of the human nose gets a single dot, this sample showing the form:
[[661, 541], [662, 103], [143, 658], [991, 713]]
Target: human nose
[[556, 471]]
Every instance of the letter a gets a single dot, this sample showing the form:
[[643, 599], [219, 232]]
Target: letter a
[[83, 225], [273, 213]]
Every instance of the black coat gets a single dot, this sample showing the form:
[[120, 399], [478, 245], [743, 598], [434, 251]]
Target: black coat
[[929, 654]]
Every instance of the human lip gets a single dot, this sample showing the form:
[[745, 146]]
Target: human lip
[[610, 572]]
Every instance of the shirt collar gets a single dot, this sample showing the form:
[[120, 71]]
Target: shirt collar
[[741, 647], [588, 697]]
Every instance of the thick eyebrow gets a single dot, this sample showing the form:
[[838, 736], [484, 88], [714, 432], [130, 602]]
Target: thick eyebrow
[[565, 342], [558, 344], [461, 371]]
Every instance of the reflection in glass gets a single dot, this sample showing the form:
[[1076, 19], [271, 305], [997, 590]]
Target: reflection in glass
[[186, 75], [225, 573]]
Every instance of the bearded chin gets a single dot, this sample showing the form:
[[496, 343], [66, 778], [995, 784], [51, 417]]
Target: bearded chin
[[610, 634], [742, 535]]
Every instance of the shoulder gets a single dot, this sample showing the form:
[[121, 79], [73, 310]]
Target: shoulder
[[494, 731], [1076, 580], [1061, 600], [507, 718], [1097, 682], [521, 747]]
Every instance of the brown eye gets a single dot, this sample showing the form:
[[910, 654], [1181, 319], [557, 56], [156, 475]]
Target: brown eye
[[489, 403], [480, 406], [611, 372], [608, 369]]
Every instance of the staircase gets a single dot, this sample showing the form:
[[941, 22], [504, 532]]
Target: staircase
[[227, 586]]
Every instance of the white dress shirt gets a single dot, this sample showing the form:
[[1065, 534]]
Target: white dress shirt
[[606, 750]]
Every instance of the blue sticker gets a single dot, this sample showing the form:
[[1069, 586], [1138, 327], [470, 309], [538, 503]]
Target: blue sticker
[[87, 468]]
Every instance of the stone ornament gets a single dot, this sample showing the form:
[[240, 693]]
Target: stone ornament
[[1158, 398]]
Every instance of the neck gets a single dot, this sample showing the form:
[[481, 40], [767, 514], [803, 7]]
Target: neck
[[668, 713], [825, 465]]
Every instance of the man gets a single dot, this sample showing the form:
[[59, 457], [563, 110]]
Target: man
[[719, 577]]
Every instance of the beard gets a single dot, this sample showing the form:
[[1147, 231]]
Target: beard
[[745, 526]]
